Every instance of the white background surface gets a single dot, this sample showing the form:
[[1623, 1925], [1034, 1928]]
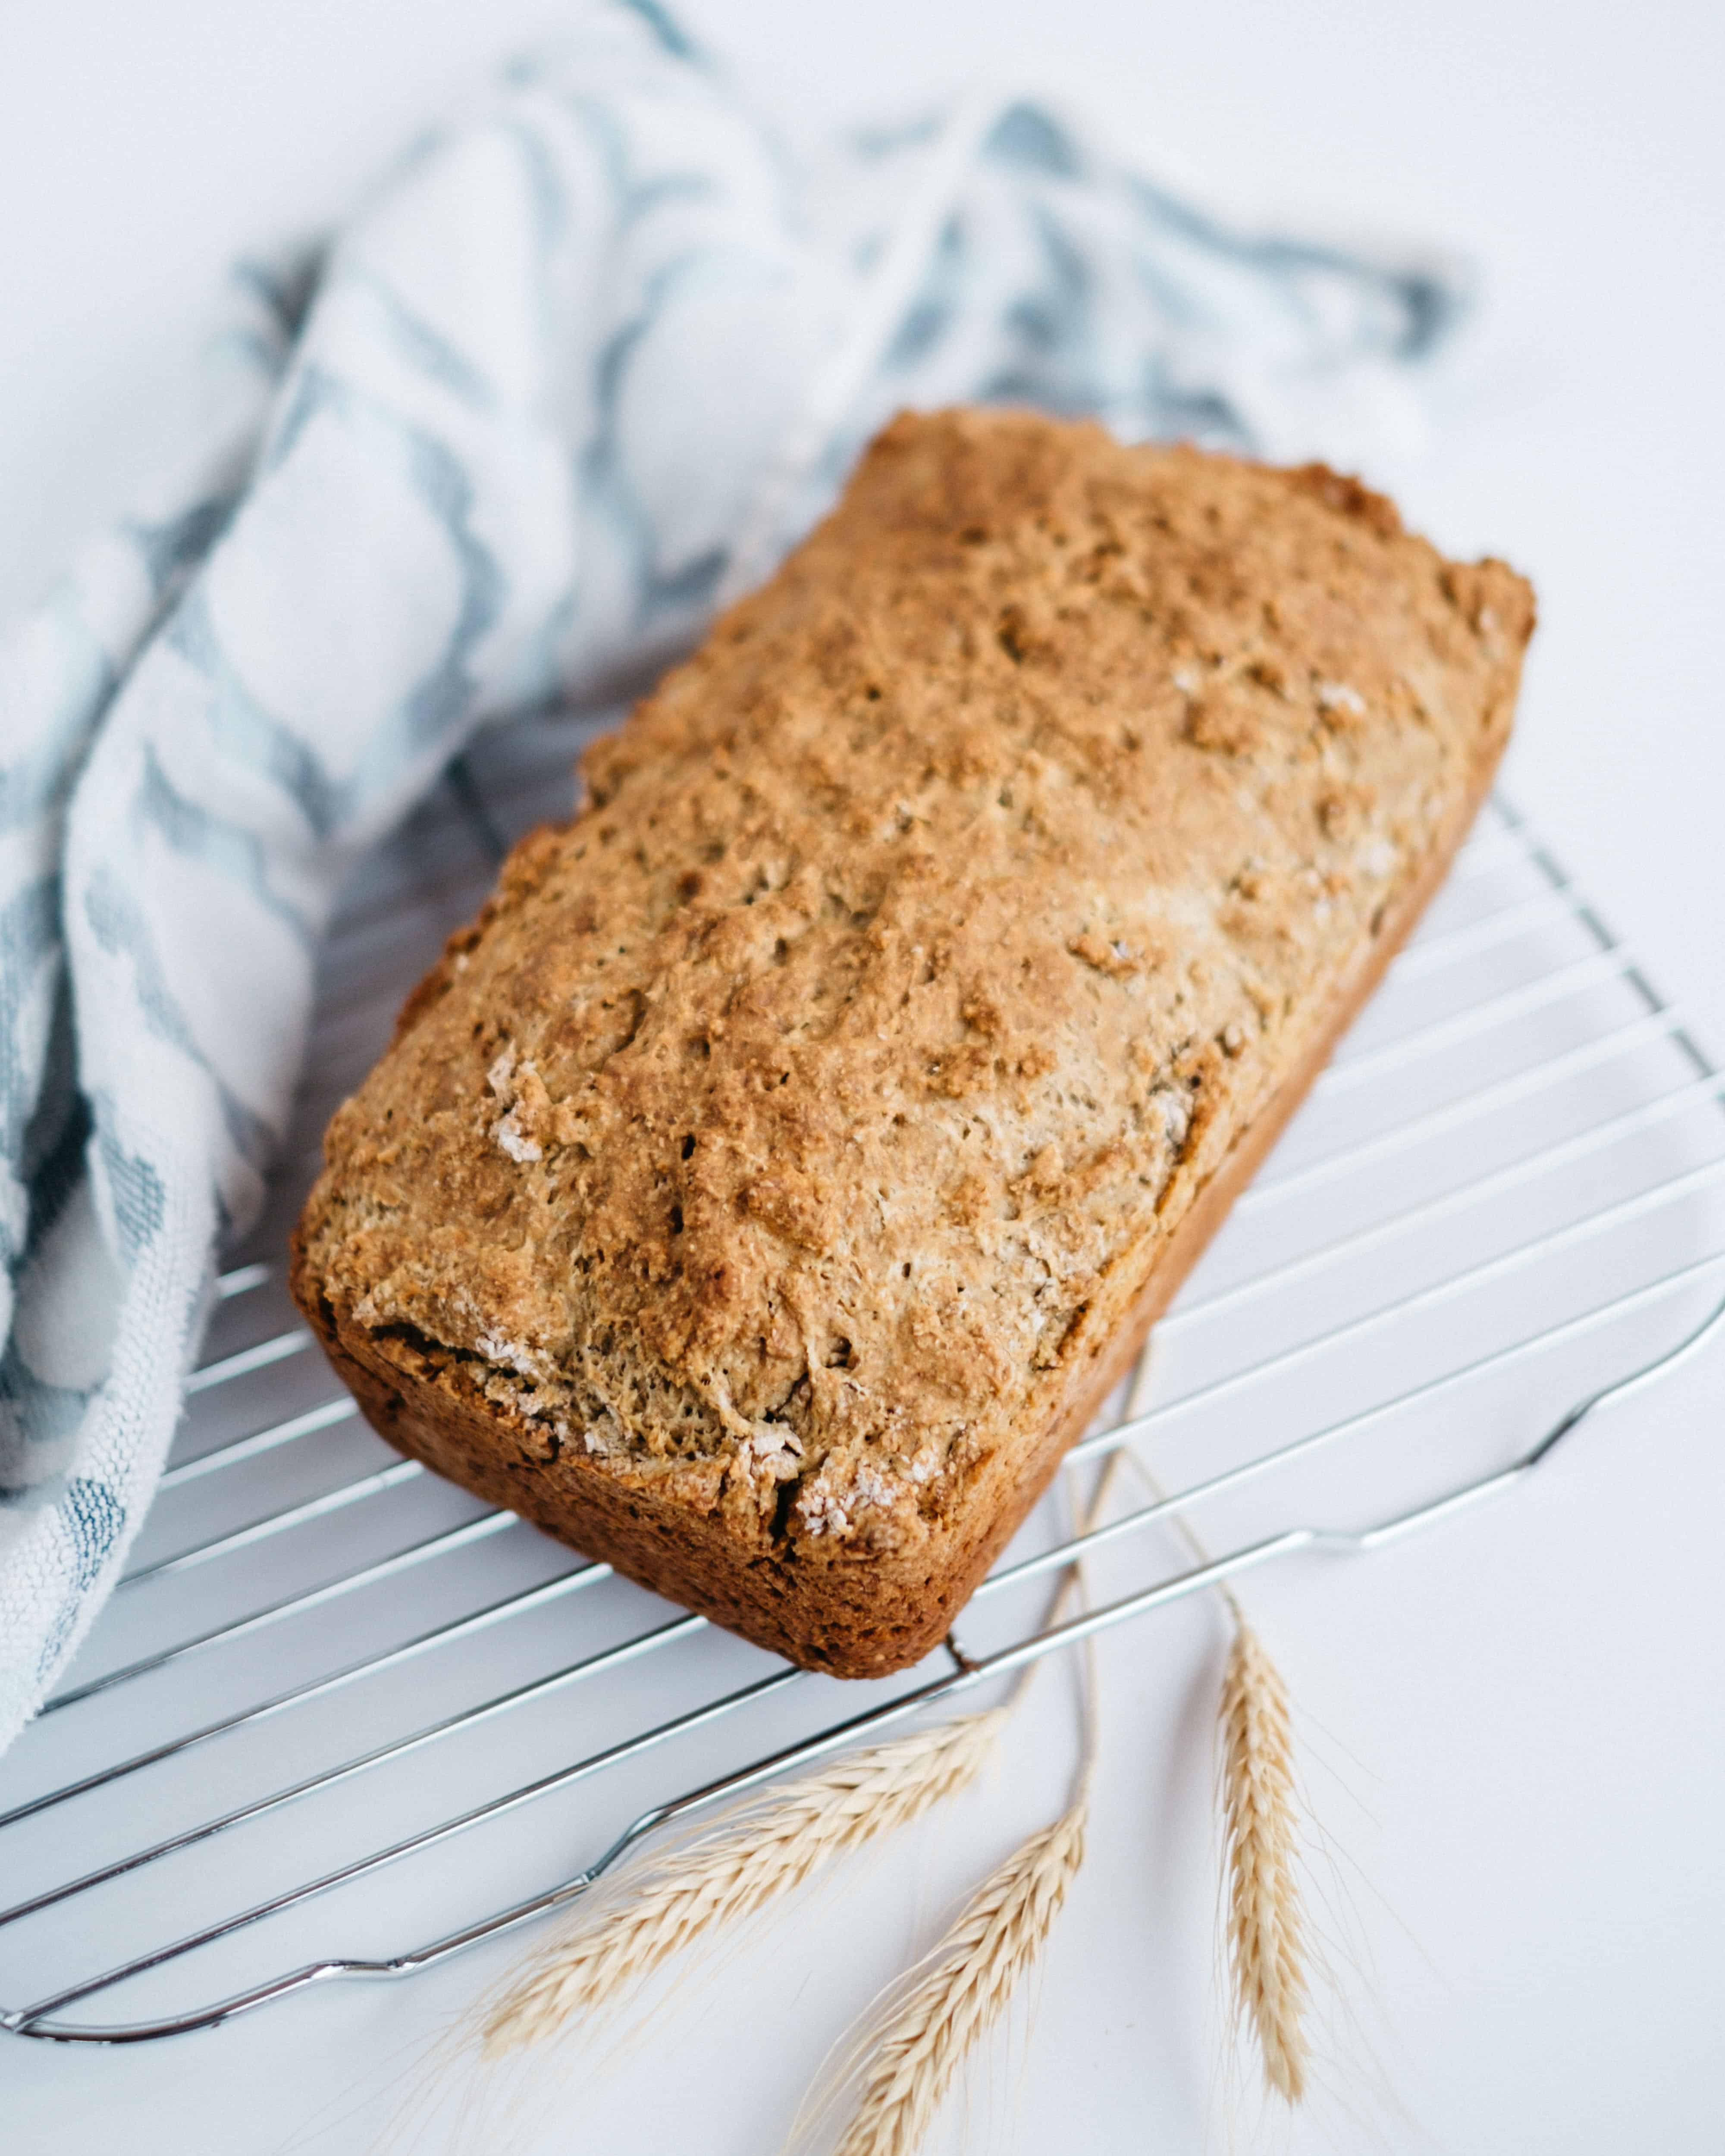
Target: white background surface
[[1515, 1729]]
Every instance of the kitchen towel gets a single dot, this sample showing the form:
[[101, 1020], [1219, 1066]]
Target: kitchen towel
[[582, 365]]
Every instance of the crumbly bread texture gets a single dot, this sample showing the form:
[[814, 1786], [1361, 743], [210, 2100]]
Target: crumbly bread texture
[[767, 1188]]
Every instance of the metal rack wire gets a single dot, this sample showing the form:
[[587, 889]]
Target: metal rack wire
[[1499, 1214]]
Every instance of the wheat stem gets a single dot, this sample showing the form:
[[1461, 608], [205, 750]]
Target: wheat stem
[[1138, 1403]]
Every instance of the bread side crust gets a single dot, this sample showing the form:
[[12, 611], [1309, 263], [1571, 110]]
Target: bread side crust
[[808, 1609]]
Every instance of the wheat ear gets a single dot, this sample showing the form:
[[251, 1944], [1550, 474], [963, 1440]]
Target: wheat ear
[[967, 1983], [1265, 1926], [653, 1908], [1267, 1946]]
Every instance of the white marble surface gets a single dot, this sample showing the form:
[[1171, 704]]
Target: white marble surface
[[1515, 1740]]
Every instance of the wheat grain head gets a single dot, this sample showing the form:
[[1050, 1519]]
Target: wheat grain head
[[650, 1910], [902, 2059], [1266, 1945]]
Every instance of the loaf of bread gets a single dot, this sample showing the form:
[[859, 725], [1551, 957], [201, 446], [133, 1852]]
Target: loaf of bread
[[771, 1183]]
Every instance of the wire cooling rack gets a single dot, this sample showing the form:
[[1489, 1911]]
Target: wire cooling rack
[[339, 1707]]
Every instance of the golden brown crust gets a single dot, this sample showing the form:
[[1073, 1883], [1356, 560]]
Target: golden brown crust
[[759, 1193]]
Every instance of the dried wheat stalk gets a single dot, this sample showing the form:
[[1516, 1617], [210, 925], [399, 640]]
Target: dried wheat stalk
[[1266, 1948], [653, 1909], [1265, 1927], [925, 2034]]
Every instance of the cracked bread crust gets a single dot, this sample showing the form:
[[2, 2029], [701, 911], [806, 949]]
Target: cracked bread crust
[[764, 1190]]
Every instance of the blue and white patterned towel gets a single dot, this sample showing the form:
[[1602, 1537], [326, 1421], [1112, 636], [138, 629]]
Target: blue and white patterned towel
[[582, 366]]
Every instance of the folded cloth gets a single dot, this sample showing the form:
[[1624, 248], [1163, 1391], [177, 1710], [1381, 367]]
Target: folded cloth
[[580, 369]]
